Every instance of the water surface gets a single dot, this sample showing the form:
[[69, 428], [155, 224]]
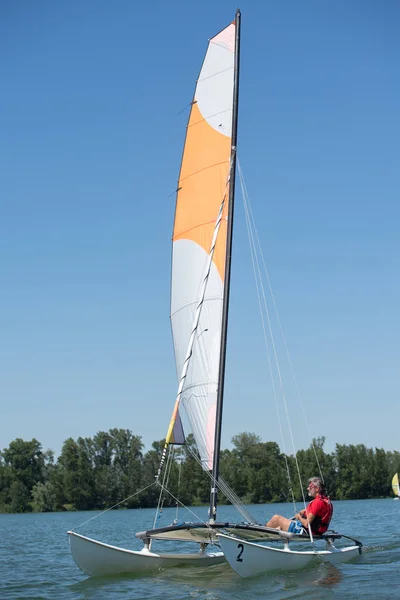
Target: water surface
[[35, 561]]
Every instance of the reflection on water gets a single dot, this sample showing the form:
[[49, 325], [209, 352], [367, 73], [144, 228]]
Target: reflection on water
[[330, 578], [217, 582]]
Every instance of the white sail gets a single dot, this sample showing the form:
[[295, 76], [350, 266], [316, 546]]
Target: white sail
[[395, 485]]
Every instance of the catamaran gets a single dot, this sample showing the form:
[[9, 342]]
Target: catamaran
[[201, 266]]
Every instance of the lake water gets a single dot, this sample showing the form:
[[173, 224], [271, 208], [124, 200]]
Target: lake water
[[35, 561]]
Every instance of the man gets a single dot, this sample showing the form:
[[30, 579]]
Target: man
[[317, 515]]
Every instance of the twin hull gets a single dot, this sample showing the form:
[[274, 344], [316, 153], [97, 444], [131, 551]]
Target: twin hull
[[249, 559], [96, 558]]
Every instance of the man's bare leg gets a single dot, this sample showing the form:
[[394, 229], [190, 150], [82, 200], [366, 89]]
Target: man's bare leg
[[279, 522]]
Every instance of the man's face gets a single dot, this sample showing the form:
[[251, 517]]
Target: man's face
[[312, 490]]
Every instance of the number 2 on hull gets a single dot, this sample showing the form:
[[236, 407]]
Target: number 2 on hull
[[239, 556]]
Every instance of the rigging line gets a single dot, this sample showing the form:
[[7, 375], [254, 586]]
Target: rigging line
[[283, 394], [259, 283], [284, 398], [196, 322], [277, 365], [185, 107], [229, 493], [179, 485], [282, 333], [171, 461], [224, 487], [114, 506], [184, 506], [164, 483], [236, 501]]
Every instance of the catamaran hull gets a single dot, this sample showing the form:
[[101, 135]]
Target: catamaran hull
[[249, 559], [96, 558]]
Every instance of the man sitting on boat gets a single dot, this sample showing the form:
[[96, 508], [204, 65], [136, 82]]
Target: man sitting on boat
[[317, 515]]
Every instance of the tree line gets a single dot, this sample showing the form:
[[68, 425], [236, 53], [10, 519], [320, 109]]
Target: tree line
[[99, 472]]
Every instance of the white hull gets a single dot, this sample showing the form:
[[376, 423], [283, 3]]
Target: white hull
[[249, 559], [96, 558]]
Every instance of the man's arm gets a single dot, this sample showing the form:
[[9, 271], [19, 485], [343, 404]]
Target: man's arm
[[305, 519]]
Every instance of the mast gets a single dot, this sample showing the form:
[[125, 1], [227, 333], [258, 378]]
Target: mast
[[225, 307]]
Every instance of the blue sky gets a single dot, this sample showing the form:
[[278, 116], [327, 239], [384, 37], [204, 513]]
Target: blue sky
[[93, 117]]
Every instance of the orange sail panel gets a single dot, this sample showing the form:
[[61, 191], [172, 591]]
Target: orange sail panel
[[202, 187]]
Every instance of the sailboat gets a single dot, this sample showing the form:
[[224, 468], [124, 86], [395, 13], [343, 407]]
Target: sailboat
[[201, 265], [202, 238], [396, 487]]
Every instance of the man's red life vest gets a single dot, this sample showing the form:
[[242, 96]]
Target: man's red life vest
[[322, 509]]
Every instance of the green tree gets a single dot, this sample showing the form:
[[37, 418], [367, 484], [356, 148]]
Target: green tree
[[239, 464], [151, 461], [267, 478], [195, 483], [354, 467], [380, 475], [44, 497], [234, 472], [75, 476], [24, 464], [127, 464], [20, 497], [5, 486]]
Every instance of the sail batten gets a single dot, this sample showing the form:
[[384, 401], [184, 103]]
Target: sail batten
[[199, 171]]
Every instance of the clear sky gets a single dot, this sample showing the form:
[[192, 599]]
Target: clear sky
[[92, 122]]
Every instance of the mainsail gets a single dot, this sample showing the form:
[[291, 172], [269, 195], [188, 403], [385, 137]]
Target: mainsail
[[203, 187]]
